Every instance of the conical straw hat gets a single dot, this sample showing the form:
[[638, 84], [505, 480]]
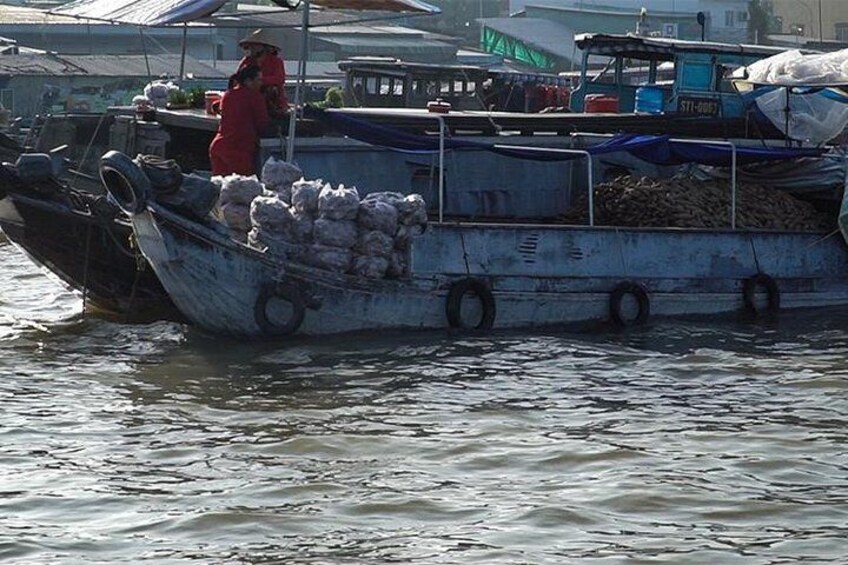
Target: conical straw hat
[[263, 37]]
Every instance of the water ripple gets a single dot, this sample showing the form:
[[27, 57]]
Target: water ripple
[[680, 443]]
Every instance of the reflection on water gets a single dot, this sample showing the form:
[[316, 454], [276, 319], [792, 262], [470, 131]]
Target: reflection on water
[[680, 443]]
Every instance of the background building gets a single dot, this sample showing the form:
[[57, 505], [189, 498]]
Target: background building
[[815, 19], [542, 33]]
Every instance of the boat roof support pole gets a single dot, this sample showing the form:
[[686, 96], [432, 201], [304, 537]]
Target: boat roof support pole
[[144, 49], [183, 55], [441, 168], [300, 87]]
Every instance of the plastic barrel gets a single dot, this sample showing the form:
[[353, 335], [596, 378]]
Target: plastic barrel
[[600, 104], [649, 100]]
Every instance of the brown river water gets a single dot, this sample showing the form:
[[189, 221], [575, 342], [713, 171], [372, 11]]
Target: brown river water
[[708, 442]]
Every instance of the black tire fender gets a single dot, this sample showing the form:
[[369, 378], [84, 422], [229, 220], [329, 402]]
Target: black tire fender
[[288, 293], [127, 184], [479, 288], [642, 299], [749, 291]]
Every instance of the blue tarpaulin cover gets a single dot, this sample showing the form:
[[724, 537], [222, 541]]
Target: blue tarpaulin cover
[[656, 149]]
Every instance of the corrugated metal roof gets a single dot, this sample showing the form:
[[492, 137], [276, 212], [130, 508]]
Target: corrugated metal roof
[[20, 15], [141, 12], [168, 12], [103, 66], [538, 33], [395, 46], [314, 69]]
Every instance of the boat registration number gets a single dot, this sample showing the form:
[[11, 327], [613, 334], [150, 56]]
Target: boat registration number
[[701, 106]]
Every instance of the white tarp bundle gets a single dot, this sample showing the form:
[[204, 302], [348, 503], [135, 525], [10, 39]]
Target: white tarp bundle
[[813, 117], [793, 68], [141, 12], [806, 85]]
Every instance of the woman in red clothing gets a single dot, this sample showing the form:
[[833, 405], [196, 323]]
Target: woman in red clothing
[[261, 49], [244, 116]]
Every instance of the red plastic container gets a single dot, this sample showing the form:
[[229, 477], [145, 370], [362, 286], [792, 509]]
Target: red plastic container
[[600, 104], [211, 98]]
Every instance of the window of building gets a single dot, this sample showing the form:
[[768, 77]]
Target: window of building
[[841, 31], [729, 18], [742, 17], [372, 84], [7, 99]]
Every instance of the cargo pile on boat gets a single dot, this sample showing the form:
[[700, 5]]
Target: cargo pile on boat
[[314, 223], [683, 202]]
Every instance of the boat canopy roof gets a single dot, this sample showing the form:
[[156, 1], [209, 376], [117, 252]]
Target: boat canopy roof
[[398, 67], [154, 13], [661, 48], [656, 149]]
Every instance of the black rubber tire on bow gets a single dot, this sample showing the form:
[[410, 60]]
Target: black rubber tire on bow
[[287, 293], [639, 293], [478, 288], [749, 291], [126, 182]]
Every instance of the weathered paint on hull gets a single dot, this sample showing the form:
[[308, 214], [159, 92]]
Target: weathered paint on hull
[[540, 275]]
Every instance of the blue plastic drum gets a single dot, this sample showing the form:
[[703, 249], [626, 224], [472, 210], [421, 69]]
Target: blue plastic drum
[[649, 100]]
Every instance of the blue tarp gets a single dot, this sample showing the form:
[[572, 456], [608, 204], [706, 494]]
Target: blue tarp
[[656, 149]]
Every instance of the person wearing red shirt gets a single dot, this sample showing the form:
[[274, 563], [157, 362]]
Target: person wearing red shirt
[[261, 49], [244, 117]]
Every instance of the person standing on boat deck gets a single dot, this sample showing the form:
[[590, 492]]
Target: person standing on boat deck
[[262, 49], [244, 116]]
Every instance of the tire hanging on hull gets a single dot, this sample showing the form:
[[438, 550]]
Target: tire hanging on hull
[[287, 293], [474, 287], [639, 293], [749, 292]]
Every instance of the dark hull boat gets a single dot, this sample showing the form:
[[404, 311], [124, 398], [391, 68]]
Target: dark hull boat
[[85, 241]]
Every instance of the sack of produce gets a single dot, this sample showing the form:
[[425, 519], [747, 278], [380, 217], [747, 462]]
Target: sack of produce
[[278, 175], [274, 244], [240, 189], [195, 196], [370, 267], [328, 258], [374, 244], [236, 216], [405, 235], [378, 215], [301, 227], [159, 91], [412, 211], [165, 175], [304, 197], [335, 233], [271, 214], [388, 197], [398, 265], [338, 203]]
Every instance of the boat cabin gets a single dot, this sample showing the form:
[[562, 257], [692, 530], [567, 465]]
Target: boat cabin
[[657, 74], [372, 82]]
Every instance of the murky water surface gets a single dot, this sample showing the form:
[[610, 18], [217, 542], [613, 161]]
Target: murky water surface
[[713, 442]]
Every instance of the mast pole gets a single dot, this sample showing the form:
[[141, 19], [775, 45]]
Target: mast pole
[[301, 83]]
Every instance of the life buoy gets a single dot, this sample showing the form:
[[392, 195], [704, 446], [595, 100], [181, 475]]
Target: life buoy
[[749, 291], [286, 293], [478, 288], [125, 181], [638, 292]]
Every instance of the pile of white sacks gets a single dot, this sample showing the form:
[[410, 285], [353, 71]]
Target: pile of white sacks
[[310, 222]]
